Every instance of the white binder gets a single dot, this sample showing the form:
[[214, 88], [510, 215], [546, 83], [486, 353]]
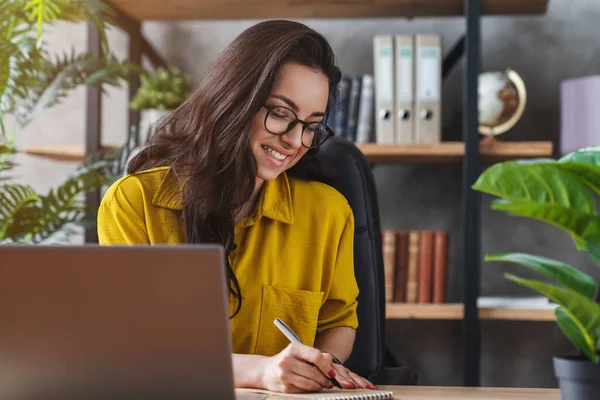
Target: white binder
[[383, 59], [428, 121], [404, 88]]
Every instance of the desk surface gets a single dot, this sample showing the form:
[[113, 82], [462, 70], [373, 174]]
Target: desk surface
[[456, 393]]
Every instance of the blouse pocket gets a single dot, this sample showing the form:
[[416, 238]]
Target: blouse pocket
[[299, 309]]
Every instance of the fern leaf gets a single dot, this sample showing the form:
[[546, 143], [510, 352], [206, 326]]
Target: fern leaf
[[66, 73], [20, 66], [64, 205], [44, 11], [98, 13], [18, 204]]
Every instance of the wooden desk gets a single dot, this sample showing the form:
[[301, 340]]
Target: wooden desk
[[451, 393]]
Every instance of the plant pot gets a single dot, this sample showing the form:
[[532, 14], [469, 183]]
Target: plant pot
[[578, 378]]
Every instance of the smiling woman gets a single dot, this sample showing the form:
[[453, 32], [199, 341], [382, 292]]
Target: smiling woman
[[233, 165]]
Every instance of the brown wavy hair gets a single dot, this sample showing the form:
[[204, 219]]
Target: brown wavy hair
[[205, 140]]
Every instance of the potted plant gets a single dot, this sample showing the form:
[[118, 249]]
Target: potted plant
[[560, 193], [160, 92], [31, 81]]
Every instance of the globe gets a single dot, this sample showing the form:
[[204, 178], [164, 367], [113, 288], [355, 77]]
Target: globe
[[502, 98]]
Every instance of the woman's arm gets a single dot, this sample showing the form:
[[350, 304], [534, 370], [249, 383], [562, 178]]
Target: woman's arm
[[337, 341], [246, 370]]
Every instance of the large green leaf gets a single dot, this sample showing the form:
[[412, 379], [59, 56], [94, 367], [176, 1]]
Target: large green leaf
[[583, 311], [563, 273], [587, 155], [575, 334], [582, 226], [593, 249], [536, 182], [585, 164]]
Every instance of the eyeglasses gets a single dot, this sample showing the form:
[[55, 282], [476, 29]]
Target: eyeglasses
[[280, 120]]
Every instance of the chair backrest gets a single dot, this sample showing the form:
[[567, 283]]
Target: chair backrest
[[348, 171]]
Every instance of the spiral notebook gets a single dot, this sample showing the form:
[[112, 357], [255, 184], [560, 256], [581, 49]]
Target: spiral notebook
[[329, 394]]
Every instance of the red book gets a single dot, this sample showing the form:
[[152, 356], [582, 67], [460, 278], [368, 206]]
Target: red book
[[425, 266], [401, 266], [440, 266], [412, 280]]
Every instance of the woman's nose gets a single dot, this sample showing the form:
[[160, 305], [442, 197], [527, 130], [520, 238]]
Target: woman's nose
[[294, 137]]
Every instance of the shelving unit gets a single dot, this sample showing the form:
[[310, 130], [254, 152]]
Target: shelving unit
[[131, 13]]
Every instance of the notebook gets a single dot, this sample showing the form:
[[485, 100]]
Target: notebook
[[329, 394]]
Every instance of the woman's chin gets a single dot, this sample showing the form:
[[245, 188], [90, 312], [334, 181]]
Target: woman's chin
[[267, 174]]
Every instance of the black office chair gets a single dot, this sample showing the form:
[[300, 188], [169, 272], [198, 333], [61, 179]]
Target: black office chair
[[347, 170]]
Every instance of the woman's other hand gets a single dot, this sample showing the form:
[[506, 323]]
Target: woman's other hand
[[348, 379], [290, 371]]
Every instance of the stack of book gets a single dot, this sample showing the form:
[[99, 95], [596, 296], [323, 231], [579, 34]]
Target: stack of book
[[352, 116], [415, 266]]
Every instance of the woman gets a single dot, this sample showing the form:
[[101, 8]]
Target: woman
[[232, 166]]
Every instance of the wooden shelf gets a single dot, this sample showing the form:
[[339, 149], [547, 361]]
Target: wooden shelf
[[248, 9], [445, 152], [449, 152], [455, 312], [62, 152]]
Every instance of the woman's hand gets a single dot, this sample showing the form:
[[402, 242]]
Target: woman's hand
[[290, 371], [350, 380]]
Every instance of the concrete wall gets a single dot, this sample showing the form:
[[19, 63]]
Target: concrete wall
[[543, 49]]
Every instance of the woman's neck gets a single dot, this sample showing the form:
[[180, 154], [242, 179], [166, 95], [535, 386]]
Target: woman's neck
[[250, 205]]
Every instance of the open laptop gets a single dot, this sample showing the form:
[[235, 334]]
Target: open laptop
[[125, 322]]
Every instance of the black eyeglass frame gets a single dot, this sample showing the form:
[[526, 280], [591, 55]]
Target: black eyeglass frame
[[270, 107]]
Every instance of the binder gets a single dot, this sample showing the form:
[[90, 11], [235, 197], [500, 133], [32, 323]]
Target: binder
[[364, 126], [428, 75], [341, 108], [353, 102], [383, 60], [404, 88]]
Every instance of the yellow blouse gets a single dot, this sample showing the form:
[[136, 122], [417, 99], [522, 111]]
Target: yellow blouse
[[294, 257]]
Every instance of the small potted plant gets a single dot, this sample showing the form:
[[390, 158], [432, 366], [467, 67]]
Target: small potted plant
[[559, 192], [160, 92]]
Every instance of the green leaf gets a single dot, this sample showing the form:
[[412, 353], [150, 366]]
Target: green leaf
[[583, 311], [97, 13], [563, 273], [536, 182], [576, 335], [587, 155], [57, 78], [582, 226], [15, 202], [44, 11], [593, 249]]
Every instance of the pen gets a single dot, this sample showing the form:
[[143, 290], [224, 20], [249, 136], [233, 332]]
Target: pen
[[291, 335]]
